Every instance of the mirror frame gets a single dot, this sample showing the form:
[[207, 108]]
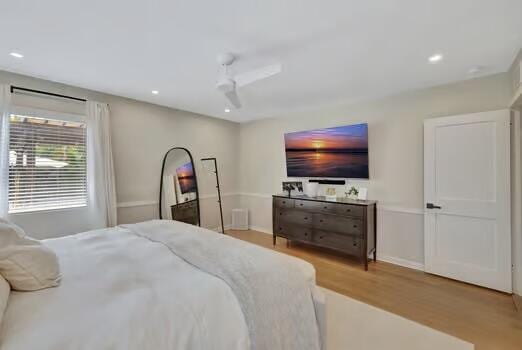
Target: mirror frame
[[195, 176]]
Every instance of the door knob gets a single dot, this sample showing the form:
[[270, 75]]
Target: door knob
[[432, 206]]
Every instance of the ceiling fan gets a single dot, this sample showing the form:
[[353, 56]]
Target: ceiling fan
[[229, 84]]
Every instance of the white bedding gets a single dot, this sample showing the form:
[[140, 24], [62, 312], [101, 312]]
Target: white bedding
[[274, 290], [121, 290]]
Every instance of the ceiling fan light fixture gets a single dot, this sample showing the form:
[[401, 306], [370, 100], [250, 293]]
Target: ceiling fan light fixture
[[228, 84], [436, 58], [16, 54], [226, 59]]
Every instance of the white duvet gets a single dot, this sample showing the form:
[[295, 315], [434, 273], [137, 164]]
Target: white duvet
[[121, 291], [126, 288]]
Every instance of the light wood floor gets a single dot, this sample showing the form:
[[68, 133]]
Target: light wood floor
[[481, 316]]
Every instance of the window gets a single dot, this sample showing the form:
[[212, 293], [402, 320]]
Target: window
[[47, 164]]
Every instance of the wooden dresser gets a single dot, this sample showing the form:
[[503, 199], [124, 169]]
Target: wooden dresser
[[347, 226], [186, 212]]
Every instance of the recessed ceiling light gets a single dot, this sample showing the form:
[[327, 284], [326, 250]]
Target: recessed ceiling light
[[16, 54], [155, 92], [227, 110], [435, 58]]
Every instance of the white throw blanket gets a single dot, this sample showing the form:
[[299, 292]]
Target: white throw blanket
[[274, 290]]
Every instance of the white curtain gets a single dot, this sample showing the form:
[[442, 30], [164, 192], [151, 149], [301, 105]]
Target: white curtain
[[100, 167], [5, 102]]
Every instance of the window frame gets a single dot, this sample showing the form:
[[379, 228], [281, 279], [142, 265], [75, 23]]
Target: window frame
[[48, 114]]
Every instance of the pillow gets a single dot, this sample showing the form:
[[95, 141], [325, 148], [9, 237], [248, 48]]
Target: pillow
[[4, 294], [26, 263], [18, 229]]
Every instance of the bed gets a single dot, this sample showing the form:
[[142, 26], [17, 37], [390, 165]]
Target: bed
[[167, 285]]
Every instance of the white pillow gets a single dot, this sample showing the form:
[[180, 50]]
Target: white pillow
[[4, 294], [26, 263]]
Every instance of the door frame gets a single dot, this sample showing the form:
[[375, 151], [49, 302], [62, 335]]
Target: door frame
[[516, 200], [429, 215]]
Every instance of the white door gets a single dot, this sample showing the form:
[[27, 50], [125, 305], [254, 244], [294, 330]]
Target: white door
[[467, 175]]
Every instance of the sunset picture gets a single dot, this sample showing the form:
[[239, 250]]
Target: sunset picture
[[186, 179], [332, 152]]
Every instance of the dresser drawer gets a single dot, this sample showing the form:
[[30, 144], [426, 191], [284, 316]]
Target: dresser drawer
[[182, 214], [349, 210], [294, 217], [348, 244], [315, 206], [345, 225], [184, 205], [284, 202], [294, 232]]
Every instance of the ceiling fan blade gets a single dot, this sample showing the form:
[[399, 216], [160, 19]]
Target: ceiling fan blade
[[258, 74], [233, 98]]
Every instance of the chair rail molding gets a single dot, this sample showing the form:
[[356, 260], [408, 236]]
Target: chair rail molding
[[145, 203]]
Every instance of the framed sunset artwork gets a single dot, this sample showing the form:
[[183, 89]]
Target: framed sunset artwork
[[340, 152]]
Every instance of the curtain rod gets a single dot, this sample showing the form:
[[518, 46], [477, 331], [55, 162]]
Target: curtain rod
[[13, 88]]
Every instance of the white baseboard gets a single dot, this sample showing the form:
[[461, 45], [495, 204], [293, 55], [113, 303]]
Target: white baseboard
[[382, 208], [517, 299], [389, 259], [261, 229], [218, 229], [401, 262]]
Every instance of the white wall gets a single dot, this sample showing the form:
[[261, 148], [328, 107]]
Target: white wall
[[141, 134], [251, 156], [515, 73], [395, 152]]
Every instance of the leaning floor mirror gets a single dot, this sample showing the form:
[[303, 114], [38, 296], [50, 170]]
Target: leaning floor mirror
[[179, 196]]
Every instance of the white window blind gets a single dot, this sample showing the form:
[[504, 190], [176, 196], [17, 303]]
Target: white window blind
[[47, 164]]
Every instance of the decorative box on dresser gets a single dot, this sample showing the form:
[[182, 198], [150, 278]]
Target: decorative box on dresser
[[347, 226]]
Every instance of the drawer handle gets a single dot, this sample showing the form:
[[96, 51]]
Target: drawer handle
[[348, 210], [321, 220], [325, 207], [280, 213], [284, 202], [320, 237], [306, 218], [354, 226], [300, 204], [306, 234]]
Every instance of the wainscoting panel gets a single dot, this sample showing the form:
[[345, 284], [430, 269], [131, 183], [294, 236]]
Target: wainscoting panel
[[400, 231], [259, 210], [400, 236], [137, 211], [132, 212]]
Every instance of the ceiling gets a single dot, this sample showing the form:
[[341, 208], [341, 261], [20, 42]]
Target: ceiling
[[332, 51]]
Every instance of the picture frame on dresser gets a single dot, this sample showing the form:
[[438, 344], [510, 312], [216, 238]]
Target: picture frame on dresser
[[347, 226]]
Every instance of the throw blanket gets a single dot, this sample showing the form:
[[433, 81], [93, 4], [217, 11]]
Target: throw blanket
[[274, 290]]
